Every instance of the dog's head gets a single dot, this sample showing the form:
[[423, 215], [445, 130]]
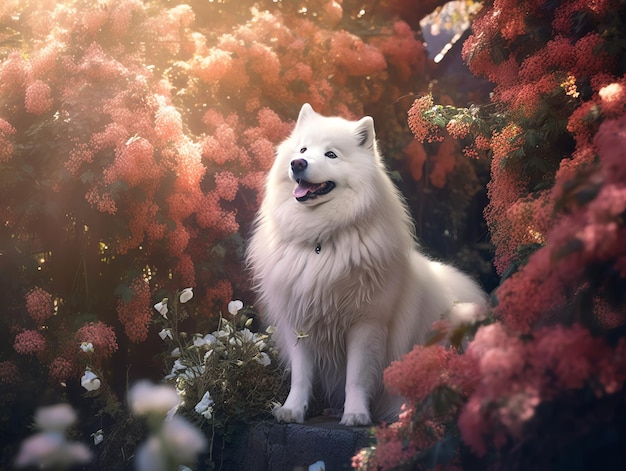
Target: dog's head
[[326, 158]]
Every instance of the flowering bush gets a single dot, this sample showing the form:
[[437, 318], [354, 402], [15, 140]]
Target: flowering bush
[[226, 378], [134, 140], [541, 387]]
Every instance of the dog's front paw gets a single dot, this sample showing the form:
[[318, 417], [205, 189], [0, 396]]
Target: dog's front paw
[[285, 414], [355, 419]]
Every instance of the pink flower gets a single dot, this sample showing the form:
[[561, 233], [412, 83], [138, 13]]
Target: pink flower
[[6, 145], [135, 315], [29, 342], [419, 372], [9, 372], [60, 369], [473, 426], [39, 305], [100, 335], [226, 185], [38, 99]]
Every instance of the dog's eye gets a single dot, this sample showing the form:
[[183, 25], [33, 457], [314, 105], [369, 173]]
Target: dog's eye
[[303, 150], [330, 154]]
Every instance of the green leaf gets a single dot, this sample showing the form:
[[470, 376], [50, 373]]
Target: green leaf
[[124, 292]]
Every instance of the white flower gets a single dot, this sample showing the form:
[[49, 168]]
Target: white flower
[[147, 398], [162, 307], [204, 406], [58, 417], [234, 307], [263, 358], [186, 295], [150, 455], [98, 437], [175, 353], [165, 333], [192, 373], [178, 365], [90, 381], [86, 347], [182, 440], [207, 340], [270, 329], [50, 449], [252, 337]]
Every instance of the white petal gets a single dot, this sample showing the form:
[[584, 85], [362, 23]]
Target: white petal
[[234, 307], [151, 456], [207, 414], [165, 333], [57, 417], [145, 398], [263, 358], [186, 295], [90, 381], [86, 347], [162, 307], [39, 449], [182, 440], [204, 403], [98, 437]]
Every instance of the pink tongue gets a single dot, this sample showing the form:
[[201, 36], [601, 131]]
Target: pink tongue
[[304, 187]]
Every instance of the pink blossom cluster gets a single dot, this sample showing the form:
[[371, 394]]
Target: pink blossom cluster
[[570, 224], [100, 335], [6, 144], [29, 342], [9, 372], [61, 369], [39, 305], [167, 126], [135, 316], [422, 128], [37, 98], [516, 376], [245, 61]]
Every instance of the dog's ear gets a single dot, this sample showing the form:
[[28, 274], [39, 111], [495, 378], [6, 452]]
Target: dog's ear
[[305, 112], [364, 130]]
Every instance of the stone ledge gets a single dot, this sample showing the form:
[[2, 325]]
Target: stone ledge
[[269, 446]]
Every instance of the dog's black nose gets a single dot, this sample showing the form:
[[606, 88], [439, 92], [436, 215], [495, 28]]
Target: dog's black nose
[[297, 165]]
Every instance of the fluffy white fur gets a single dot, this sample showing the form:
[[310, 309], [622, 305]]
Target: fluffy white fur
[[366, 296]]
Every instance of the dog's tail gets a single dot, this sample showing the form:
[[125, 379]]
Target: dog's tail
[[468, 313]]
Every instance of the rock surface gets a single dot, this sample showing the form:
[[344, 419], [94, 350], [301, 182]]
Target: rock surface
[[270, 446]]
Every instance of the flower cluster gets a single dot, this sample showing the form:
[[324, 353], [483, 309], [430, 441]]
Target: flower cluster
[[9, 372], [99, 336], [135, 314], [214, 373], [50, 448], [39, 305], [557, 195], [29, 342]]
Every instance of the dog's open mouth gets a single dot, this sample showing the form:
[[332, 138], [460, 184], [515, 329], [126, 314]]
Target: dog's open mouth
[[307, 190]]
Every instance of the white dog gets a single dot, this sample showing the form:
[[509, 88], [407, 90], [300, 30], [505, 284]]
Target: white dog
[[334, 260]]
